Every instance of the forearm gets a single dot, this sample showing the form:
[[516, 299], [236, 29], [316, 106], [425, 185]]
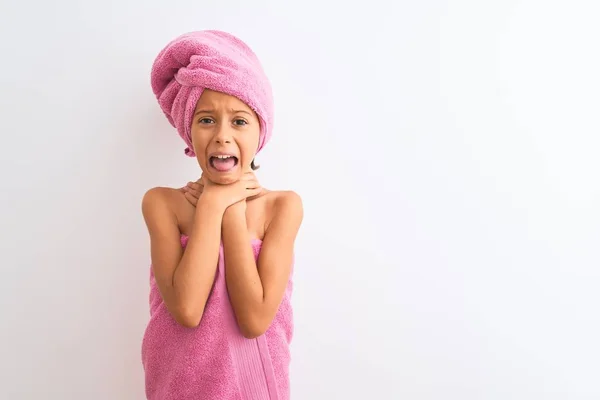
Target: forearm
[[194, 276], [243, 280]]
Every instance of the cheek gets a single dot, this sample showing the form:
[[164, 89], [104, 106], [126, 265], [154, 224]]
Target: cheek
[[251, 142], [248, 148], [199, 146], [199, 141], [202, 162]]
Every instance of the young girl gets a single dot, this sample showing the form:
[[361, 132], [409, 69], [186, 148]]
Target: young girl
[[222, 252]]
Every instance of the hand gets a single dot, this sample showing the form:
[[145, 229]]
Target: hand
[[193, 190], [224, 196]]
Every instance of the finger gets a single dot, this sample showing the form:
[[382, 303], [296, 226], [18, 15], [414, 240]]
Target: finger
[[253, 192], [193, 200], [252, 184], [193, 188]]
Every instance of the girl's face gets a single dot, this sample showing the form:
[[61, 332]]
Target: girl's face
[[225, 135]]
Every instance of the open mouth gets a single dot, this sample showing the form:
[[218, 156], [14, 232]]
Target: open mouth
[[223, 163]]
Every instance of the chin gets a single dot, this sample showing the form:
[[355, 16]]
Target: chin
[[224, 178]]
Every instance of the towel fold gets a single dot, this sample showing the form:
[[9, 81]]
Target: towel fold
[[212, 60]]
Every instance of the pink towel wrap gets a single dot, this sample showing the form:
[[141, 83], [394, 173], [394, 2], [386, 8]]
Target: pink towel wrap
[[214, 361], [212, 60]]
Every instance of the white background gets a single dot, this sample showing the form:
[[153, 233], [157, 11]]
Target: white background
[[446, 152]]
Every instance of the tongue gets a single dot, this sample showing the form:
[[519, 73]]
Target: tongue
[[224, 164]]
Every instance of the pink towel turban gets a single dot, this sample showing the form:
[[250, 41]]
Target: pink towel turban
[[209, 60]]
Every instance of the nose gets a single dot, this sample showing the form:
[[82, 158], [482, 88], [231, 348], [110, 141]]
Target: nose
[[222, 135]]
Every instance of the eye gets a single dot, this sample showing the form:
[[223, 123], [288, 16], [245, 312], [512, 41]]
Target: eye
[[240, 122], [205, 120]]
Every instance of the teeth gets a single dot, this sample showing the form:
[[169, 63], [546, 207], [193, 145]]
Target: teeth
[[223, 157]]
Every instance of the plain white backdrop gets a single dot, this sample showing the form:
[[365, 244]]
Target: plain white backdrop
[[446, 152]]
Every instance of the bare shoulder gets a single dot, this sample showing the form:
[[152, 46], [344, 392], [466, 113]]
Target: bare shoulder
[[162, 203], [288, 199], [276, 199], [285, 205], [159, 197]]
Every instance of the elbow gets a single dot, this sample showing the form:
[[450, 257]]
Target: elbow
[[253, 329], [188, 322], [188, 318], [250, 333]]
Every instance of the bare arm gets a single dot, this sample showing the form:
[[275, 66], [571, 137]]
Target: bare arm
[[256, 291], [184, 278]]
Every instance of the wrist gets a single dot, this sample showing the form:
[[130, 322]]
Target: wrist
[[207, 205], [236, 211]]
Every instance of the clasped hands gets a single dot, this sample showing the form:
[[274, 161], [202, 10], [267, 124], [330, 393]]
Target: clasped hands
[[222, 196]]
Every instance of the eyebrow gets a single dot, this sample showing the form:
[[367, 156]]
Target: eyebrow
[[206, 111]]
